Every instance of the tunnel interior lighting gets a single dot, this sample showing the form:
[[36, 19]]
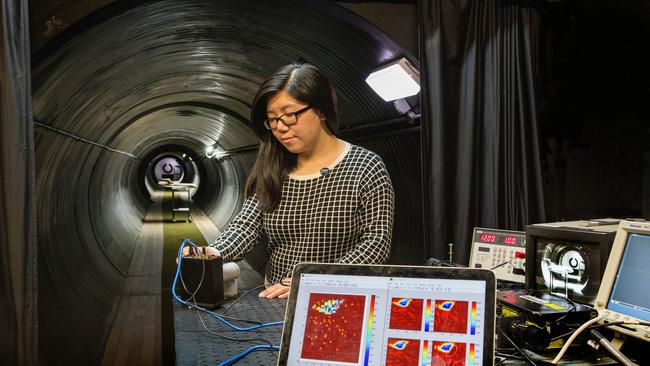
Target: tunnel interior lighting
[[210, 151], [396, 80]]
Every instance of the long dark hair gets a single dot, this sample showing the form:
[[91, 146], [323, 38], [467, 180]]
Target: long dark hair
[[306, 84]]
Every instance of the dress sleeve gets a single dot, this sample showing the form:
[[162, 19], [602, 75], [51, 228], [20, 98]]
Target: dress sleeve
[[376, 213], [243, 233]]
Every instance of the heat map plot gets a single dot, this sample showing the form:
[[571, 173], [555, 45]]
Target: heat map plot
[[447, 354], [406, 313], [334, 327], [402, 352], [450, 316]]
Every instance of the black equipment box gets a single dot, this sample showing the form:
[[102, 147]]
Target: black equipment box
[[541, 306], [206, 275], [533, 318]]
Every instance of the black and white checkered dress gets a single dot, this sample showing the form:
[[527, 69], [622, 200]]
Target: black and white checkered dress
[[345, 216]]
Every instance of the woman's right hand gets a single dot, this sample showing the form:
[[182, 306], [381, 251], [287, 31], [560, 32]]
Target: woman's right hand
[[189, 251]]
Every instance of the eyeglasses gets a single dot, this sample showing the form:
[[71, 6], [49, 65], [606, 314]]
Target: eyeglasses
[[287, 119]]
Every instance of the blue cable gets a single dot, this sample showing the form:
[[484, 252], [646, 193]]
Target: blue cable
[[214, 315], [243, 354]]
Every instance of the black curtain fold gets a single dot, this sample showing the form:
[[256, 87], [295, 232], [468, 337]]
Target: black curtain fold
[[18, 295], [480, 154]]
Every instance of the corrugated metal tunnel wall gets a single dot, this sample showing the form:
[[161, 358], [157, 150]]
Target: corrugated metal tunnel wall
[[142, 77]]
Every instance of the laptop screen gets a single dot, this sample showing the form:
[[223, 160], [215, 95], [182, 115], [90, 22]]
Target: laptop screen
[[389, 315]]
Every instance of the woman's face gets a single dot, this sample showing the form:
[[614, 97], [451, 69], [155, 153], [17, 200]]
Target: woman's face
[[299, 137]]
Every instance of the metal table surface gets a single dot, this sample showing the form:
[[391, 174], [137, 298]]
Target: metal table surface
[[196, 346]]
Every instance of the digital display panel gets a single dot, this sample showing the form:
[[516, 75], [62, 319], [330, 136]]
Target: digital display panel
[[381, 320], [500, 238], [568, 269], [629, 294]]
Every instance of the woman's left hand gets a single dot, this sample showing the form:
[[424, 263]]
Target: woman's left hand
[[279, 290]]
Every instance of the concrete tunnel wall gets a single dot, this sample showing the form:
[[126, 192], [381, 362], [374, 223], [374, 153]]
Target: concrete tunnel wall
[[175, 73]]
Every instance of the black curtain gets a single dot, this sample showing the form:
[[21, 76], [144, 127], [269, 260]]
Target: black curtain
[[18, 296], [481, 164]]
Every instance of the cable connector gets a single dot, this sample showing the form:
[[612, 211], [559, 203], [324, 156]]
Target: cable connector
[[604, 342]]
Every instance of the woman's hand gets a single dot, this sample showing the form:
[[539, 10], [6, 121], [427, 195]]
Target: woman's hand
[[279, 290], [190, 250]]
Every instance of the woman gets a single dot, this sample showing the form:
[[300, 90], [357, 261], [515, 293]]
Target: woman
[[318, 198]]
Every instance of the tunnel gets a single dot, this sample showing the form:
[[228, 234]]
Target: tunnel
[[137, 91]]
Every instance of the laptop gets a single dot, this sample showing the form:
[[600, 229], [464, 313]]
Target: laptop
[[341, 314]]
